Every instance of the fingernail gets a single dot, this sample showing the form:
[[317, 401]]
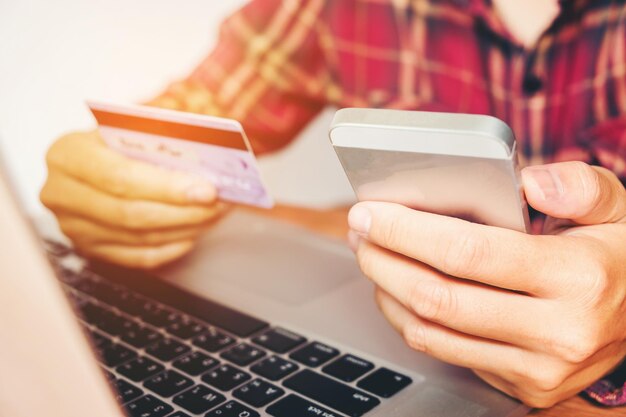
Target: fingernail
[[360, 220], [546, 181], [201, 193], [353, 240]]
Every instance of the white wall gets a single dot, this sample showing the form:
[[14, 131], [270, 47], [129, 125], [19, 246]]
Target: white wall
[[55, 54]]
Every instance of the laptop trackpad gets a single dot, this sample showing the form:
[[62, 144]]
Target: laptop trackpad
[[270, 259], [432, 401]]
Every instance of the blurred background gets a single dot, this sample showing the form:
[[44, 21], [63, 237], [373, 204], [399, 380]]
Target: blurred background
[[56, 54]]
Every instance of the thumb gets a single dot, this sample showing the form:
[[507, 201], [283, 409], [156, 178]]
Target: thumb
[[575, 191]]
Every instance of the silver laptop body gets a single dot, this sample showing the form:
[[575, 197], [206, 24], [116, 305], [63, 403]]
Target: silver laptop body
[[278, 273]]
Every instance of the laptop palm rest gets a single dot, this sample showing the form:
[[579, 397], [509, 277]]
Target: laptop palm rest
[[264, 258], [311, 284]]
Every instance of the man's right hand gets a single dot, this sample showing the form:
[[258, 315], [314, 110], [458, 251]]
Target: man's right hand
[[121, 210]]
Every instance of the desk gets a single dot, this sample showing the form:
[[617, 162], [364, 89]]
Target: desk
[[333, 223]]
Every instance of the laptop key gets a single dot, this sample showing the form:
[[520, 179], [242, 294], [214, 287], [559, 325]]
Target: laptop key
[[384, 382], [232, 321], [243, 354], [106, 291], [137, 335], [111, 293], [129, 302], [98, 340], [167, 349], [116, 354], [92, 313], [274, 368], [168, 383], [101, 289], [148, 406], [199, 399], [179, 414], [140, 369], [314, 354], [126, 391], [153, 313], [213, 340], [87, 286], [331, 393], [225, 377], [348, 368], [186, 328], [293, 405], [258, 393], [279, 340], [233, 409], [195, 363], [111, 323]]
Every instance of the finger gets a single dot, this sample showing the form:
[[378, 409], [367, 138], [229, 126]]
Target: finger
[[86, 157], [448, 345], [85, 232], [524, 374], [576, 191], [143, 257], [601, 364], [63, 194], [569, 384], [491, 255], [470, 308]]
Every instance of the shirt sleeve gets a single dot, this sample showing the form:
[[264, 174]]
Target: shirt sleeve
[[611, 390], [267, 71]]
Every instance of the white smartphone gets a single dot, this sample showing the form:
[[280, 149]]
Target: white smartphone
[[458, 165]]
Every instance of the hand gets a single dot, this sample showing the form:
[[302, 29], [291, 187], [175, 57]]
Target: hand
[[538, 317], [122, 210]]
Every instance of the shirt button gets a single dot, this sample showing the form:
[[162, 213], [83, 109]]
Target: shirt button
[[532, 84]]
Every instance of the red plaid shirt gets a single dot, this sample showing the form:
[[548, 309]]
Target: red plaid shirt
[[279, 62]]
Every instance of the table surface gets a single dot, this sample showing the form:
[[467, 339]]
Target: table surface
[[333, 223]]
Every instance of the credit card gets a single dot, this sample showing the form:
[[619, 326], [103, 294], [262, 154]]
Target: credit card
[[212, 148]]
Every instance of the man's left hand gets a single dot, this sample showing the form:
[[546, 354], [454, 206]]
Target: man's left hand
[[540, 317]]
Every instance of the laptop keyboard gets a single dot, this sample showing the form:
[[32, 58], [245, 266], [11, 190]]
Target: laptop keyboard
[[170, 353]]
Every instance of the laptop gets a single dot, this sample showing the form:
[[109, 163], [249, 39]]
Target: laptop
[[263, 319]]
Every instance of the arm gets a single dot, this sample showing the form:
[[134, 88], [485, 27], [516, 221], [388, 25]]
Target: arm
[[265, 71]]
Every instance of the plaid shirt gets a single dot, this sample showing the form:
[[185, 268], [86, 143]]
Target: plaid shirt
[[279, 62]]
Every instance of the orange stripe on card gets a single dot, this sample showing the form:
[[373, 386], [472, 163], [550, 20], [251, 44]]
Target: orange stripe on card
[[201, 134]]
